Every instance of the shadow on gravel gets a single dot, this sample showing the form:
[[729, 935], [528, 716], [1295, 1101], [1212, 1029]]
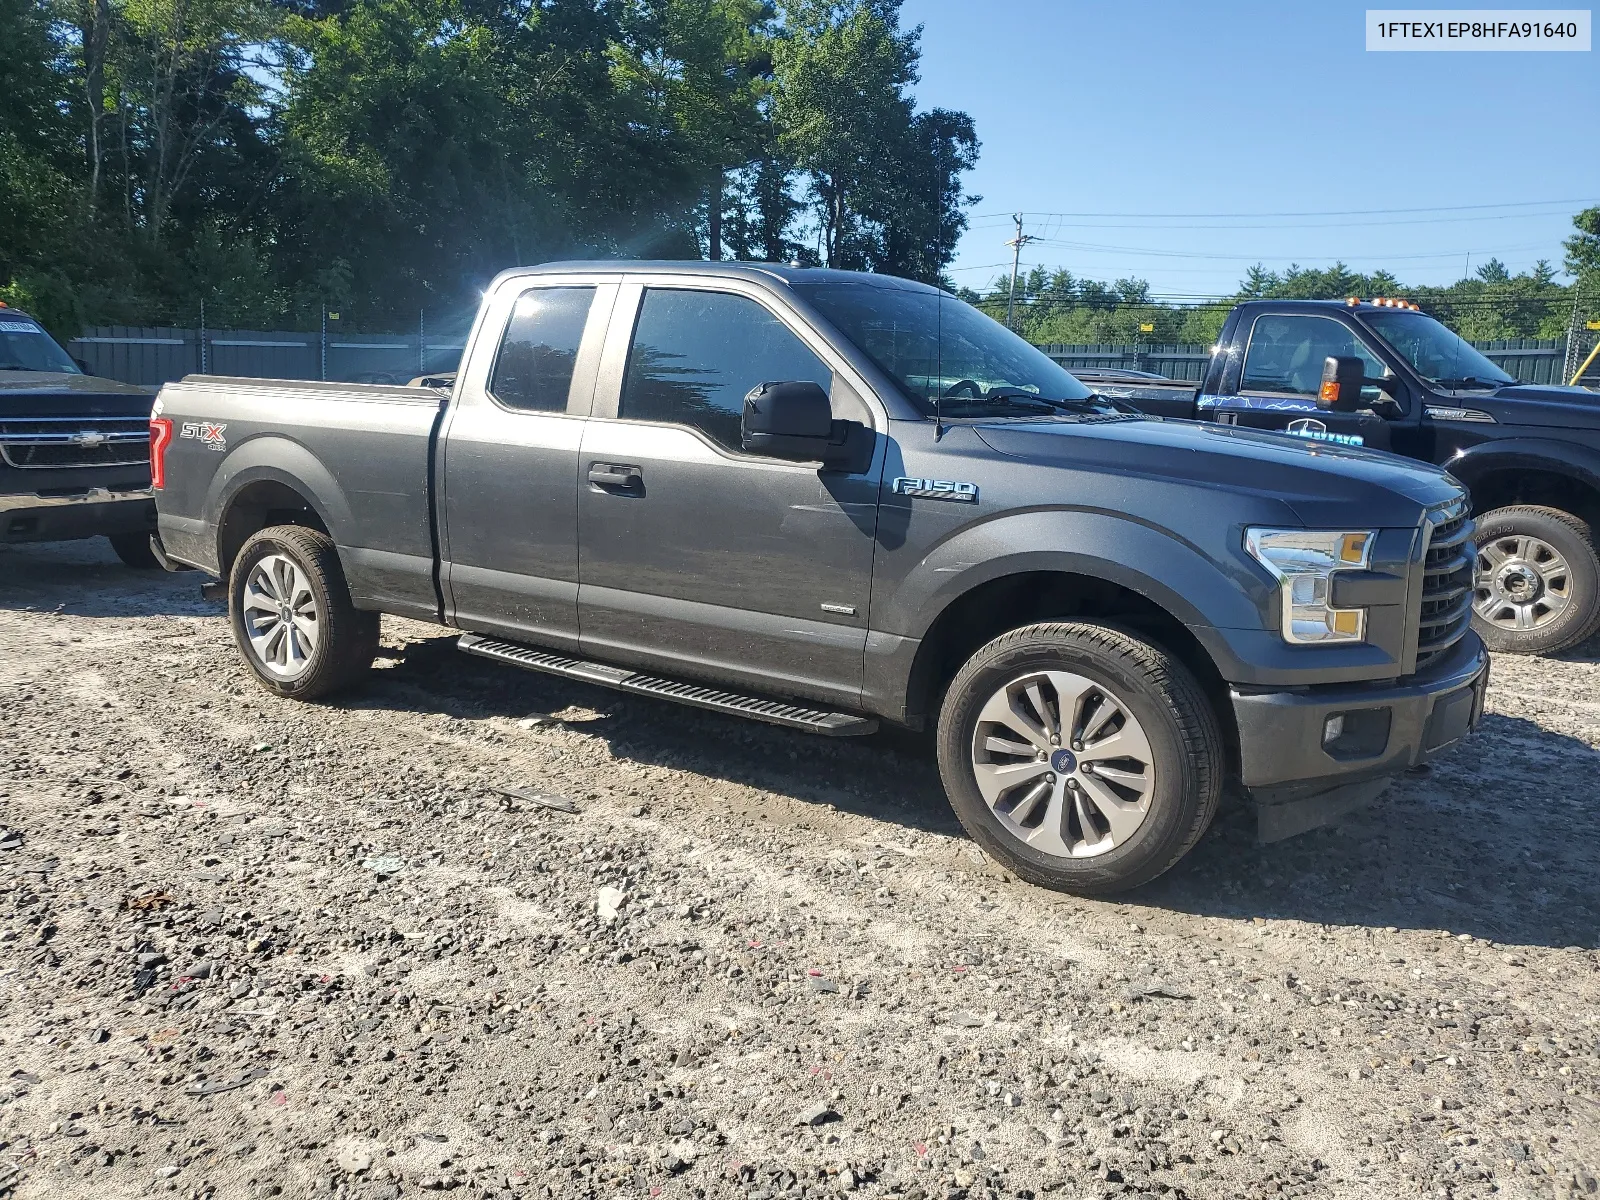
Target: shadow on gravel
[[86, 579], [1498, 842], [889, 776]]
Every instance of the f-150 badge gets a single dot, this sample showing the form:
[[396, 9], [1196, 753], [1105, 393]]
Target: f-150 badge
[[936, 489], [208, 432]]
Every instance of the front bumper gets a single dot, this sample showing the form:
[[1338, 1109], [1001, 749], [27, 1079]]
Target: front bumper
[[1299, 780], [30, 517]]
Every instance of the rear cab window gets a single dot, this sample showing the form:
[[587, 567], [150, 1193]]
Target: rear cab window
[[538, 352]]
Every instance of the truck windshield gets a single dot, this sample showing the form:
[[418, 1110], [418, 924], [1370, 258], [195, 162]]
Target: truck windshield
[[24, 346], [935, 346], [1438, 355]]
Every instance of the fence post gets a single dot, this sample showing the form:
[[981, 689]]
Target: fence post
[[203, 356], [322, 369]]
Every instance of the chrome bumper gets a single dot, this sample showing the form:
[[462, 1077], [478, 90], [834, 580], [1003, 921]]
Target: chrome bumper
[[30, 517], [18, 501]]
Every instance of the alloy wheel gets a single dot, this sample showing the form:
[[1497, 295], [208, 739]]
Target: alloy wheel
[[1063, 764], [280, 616]]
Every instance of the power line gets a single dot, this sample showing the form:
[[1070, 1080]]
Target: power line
[[1253, 258], [1435, 220], [1347, 212]]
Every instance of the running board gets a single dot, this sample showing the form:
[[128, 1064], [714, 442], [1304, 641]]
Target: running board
[[776, 712]]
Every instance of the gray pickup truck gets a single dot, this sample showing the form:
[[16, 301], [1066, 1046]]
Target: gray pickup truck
[[825, 500]]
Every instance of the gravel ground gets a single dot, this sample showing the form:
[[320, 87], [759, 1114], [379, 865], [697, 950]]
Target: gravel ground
[[255, 948]]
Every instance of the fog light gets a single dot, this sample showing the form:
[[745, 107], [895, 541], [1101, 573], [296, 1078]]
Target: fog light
[[1333, 729]]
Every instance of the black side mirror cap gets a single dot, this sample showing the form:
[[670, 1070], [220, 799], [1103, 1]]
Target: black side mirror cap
[[1342, 380], [787, 420]]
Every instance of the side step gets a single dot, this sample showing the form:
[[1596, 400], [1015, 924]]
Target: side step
[[776, 712]]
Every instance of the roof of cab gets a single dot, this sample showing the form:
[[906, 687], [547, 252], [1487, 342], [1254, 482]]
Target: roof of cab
[[728, 270]]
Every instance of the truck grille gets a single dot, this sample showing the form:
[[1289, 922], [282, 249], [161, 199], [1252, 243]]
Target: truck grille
[[1447, 571], [39, 443]]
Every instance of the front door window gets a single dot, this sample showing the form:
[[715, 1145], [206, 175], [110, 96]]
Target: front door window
[[1286, 354]]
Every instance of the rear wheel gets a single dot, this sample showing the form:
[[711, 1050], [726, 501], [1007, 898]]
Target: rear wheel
[[134, 550], [1080, 756], [1538, 580], [292, 617]]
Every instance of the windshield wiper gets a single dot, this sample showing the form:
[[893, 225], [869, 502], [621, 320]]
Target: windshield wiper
[[1086, 403], [1472, 381]]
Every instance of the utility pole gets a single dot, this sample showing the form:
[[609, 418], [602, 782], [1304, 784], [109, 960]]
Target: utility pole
[[1016, 244]]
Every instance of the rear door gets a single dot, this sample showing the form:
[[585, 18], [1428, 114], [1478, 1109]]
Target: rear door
[[508, 501], [700, 559], [1282, 374]]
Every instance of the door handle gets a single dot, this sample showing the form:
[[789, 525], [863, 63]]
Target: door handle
[[616, 477]]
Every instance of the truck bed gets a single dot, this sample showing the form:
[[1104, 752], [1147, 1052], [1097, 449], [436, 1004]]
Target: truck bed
[[366, 448]]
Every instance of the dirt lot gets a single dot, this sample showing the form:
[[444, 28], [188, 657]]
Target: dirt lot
[[254, 948]]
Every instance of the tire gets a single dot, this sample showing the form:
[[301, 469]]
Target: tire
[[1175, 744], [291, 571], [134, 550], [1538, 581]]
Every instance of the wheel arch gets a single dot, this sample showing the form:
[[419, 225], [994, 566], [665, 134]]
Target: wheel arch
[[273, 481], [1000, 603], [1534, 472]]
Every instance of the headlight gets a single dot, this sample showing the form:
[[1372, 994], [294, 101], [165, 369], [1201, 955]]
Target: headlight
[[1304, 562]]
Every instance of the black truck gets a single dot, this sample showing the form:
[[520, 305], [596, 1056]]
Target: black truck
[[74, 449], [1528, 454], [825, 500]]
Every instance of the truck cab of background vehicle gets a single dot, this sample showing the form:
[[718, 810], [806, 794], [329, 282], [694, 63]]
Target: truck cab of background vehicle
[[826, 499], [74, 450], [1528, 454]]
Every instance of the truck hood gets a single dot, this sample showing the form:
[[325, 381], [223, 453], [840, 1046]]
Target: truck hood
[[59, 394], [1544, 406], [1327, 485]]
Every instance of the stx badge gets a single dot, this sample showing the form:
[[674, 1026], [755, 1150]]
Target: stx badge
[[208, 432], [937, 489]]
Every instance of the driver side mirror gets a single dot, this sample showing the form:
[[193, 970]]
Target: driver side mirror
[[1342, 380]]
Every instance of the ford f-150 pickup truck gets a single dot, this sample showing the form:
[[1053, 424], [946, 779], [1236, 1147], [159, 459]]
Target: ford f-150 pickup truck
[[825, 500], [74, 450], [1528, 454]]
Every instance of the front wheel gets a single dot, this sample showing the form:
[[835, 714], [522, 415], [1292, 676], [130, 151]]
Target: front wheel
[[1538, 581], [1081, 757], [292, 617]]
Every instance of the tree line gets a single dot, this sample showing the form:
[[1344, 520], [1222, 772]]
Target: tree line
[[272, 157], [1053, 305]]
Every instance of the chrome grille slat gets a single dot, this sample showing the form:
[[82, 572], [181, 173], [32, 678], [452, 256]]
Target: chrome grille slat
[[1445, 608], [46, 443]]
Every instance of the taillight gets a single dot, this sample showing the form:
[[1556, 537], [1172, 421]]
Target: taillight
[[160, 439]]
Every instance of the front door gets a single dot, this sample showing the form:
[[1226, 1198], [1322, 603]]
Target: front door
[[509, 503], [700, 559], [1283, 373]]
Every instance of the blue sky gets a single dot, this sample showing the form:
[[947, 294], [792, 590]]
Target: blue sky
[[1163, 107]]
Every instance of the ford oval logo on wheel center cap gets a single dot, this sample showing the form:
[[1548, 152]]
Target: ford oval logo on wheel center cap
[[1063, 762]]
